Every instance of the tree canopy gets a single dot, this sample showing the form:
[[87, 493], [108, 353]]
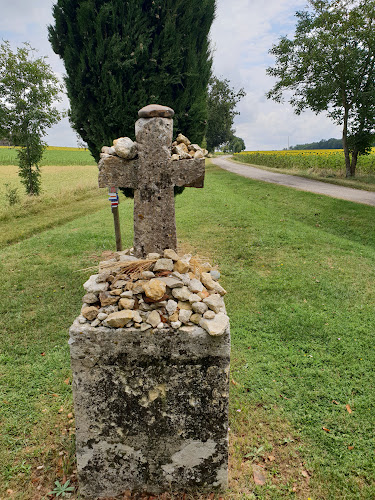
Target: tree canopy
[[28, 90], [329, 66], [120, 56], [234, 145], [322, 144], [222, 101]]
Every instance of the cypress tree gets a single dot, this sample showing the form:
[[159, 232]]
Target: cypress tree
[[121, 55]]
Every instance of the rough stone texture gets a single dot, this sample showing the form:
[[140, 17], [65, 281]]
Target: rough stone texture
[[153, 110], [170, 254], [92, 286], [117, 172], [151, 409], [153, 176], [125, 148], [155, 289], [215, 302], [163, 265], [216, 326], [90, 312], [120, 318], [154, 213]]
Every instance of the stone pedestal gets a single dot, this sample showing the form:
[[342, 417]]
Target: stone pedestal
[[151, 409]]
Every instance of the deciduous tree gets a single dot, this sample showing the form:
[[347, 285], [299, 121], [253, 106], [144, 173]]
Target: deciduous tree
[[222, 101], [329, 65], [28, 90]]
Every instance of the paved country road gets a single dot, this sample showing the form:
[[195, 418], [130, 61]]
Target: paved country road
[[344, 193]]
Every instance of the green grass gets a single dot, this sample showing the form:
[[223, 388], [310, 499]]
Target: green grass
[[67, 193], [62, 157], [299, 269]]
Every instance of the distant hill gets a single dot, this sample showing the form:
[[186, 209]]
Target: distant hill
[[323, 144]]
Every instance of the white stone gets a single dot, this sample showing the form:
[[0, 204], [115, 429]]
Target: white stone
[[92, 286], [194, 298], [171, 282], [128, 294], [127, 258], [195, 286], [198, 154], [171, 307], [217, 325], [185, 279], [209, 315], [181, 293], [163, 265], [102, 316], [215, 274], [137, 317], [214, 302], [169, 253], [185, 315], [147, 274], [176, 324], [144, 327], [153, 256], [125, 148], [153, 318], [199, 307], [95, 323]]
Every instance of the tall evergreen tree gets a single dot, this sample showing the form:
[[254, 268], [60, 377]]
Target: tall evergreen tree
[[121, 55]]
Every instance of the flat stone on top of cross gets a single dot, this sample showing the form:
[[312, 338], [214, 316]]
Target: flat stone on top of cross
[[152, 176]]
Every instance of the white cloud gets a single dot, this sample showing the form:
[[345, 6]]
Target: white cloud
[[242, 34]]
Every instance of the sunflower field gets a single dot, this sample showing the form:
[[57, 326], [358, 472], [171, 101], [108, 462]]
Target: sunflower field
[[318, 160]]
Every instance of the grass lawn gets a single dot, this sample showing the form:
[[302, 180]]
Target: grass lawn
[[67, 193], [51, 156], [299, 269]]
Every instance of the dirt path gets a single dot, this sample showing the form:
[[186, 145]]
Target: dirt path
[[344, 193]]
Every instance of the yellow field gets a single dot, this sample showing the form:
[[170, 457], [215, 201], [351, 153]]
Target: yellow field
[[309, 160]]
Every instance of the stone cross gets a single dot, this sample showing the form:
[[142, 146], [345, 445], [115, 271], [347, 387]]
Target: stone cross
[[153, 176]]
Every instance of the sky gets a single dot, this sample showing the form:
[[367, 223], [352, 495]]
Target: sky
[[241, 36]]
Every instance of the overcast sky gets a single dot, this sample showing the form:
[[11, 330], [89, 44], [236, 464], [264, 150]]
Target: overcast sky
[[242, 34]]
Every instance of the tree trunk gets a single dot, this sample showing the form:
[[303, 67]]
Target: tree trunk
[[354, 162], [345, 143]]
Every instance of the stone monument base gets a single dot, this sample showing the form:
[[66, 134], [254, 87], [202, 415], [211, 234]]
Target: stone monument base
[[151, 409]]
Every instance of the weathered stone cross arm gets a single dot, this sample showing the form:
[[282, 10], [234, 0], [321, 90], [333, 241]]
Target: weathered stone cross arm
[[188, 173], [118, 172], [153, 176]]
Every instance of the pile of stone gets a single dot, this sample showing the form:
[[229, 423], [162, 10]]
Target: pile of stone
[[182, 149], [160, 292]]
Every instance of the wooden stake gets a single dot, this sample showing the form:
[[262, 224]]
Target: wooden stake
[[116, 220]]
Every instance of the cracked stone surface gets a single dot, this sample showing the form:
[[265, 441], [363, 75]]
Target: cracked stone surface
[[151, 409]]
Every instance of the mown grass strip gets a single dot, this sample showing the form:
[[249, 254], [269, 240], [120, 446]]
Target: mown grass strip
[[60, 156], [299, 269]]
